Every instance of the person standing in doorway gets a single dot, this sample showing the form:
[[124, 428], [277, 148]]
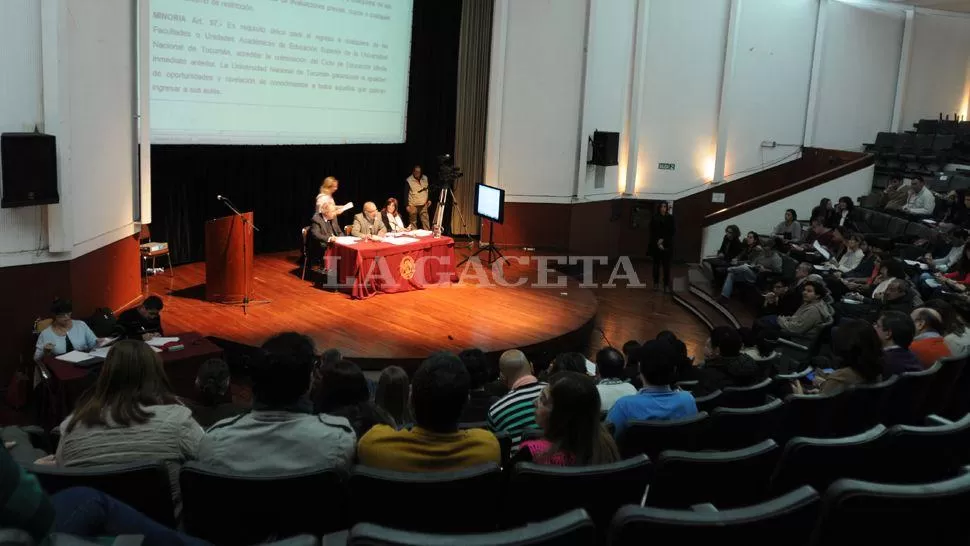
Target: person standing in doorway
[[661, 244], [418, 198]]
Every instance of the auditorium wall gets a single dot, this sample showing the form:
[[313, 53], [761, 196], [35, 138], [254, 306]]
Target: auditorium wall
[[700, 84], [855, 98], [939, 73], [67, 70]]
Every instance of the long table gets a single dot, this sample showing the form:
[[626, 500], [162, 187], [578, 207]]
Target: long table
[[68, 381], [366, 268]]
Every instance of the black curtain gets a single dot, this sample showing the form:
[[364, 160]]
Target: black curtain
[[279, 183]]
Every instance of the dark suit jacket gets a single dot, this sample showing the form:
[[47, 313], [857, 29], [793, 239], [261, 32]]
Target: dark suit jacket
[[322, 230]]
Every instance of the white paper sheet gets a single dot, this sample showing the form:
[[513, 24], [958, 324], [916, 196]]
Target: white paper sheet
[[74, 356], [346, 207], [107, 341], [821, 250], [921, 265], [159, 341], [347, 240], [928, 221], [823, 267], [420, 233], [401, 240], [101, 352]]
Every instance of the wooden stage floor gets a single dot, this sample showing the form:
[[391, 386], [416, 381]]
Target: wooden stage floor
[[405, 327]]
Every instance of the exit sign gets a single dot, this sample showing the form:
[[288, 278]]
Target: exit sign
[[666, 166]]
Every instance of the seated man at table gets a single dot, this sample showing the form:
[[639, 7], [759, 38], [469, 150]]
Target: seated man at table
[[324, 227], [143, 322], [281, 433], [368, 224]]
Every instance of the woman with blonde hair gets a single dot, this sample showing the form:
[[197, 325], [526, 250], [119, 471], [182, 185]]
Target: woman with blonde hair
[[327, 188]]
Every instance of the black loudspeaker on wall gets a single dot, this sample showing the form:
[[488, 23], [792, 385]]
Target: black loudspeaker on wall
[[606, 149], [28, 169]]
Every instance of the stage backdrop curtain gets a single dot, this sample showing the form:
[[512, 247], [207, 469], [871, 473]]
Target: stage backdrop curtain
[[279, 183], [474, 56]]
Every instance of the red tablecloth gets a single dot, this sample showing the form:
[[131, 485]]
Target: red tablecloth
[[68, 381], [367, 267]]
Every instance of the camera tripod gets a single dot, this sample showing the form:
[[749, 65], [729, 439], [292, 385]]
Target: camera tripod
[[439, 213]]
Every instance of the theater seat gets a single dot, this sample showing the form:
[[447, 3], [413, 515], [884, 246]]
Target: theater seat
[[599, 489], [231, 508], [745, 397], [459, 501], [820, 461], [905, 406], [735, 428], [652, 437], [145, 486], [727, 479], [572, 528], [858, 512], [915, 454], [787, 519]]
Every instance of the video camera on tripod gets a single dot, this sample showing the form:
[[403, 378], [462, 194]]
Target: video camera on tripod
[[448, 173]]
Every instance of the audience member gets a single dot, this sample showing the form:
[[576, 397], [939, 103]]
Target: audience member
[[476, 359], [852, 256], [479, 399], [685, 364], [957, 239], [896, 331], [920, 201], [958, 277], [130, 415], [789, 229], [895, 195], [613, 384], [568, 411], [568, 362], [928, 344], [729, 250], [656, 400], [784, 299], [843, 212], [760, 346], [143, 322], [511, 413], [825, 213], [765, 261], [393, 395], [632, 369], [344, 392], [859, 359], [724, 364], [956, 333], [439, 392], [64, 334], [281, 433], [812, 316], [214, 402]]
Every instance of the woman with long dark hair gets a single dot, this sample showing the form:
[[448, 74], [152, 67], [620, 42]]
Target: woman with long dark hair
[[789, 229], [662, 231], [568, 411], [394, 393], [825, 212], [214, 402], [391, 217], [859, 358], [343, 392]]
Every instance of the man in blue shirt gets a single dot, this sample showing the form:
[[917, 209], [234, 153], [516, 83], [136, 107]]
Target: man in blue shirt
[[656, 400]]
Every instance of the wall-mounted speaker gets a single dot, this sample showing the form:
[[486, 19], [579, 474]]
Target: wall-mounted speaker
[[28, 169], [606, 149]]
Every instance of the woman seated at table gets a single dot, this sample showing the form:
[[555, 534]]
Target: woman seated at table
[[392, 219], [64, 334]]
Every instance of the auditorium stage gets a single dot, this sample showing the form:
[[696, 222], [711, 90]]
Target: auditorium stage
[[385, 329]]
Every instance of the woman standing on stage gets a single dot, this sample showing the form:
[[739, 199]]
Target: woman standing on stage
[[327, 189], [662, 244]]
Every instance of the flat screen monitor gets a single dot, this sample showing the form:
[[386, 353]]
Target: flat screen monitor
[[490, 202]]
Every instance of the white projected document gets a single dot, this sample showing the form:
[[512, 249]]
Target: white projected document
[[279, 71]]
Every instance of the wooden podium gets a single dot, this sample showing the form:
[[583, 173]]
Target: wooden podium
[[229, 259]]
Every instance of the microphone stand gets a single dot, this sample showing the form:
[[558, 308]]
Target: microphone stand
[[246, 224]]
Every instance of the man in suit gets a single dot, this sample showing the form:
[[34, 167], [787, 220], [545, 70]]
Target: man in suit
[[324, 226], [368, 224]]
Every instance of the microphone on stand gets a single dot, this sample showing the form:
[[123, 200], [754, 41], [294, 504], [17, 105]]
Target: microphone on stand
[[221, 198]]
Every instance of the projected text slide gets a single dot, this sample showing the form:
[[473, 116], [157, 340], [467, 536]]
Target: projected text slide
[[279, 71]]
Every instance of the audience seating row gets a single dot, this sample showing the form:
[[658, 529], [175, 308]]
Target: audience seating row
[[225, 508]]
